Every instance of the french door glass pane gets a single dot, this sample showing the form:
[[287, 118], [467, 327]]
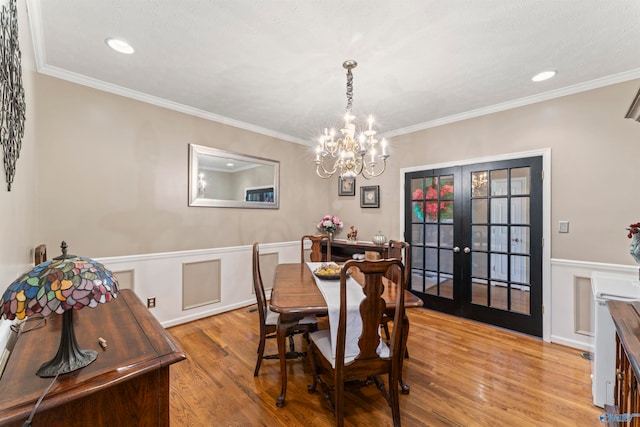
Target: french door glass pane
[[416, 257], [520, 240], [499, 294], [520, 210], [431, 259], [479, 292], [479, 237], [520, 180], [498, 182], [520, 269], [479, 264], [446, 236], [499, 211], [431, 234], [479, 211], [417, 234], [520, 299], [499, 238], [479, 184], [446, 261], [498, 266]]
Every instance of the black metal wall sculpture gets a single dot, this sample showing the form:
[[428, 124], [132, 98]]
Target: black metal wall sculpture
[[11, 91]]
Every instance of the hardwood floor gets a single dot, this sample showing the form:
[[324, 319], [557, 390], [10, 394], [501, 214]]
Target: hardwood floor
[[461, 373]]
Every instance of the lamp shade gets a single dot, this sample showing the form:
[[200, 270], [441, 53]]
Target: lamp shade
[[62, 285], [57, 286]]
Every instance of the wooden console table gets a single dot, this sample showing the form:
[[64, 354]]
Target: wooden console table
[[626, 317], [341, 250], [127, 385]]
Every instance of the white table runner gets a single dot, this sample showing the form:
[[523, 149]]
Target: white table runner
[[330, 290]]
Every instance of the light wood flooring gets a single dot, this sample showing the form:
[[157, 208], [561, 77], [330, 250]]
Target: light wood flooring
[[461, 373]]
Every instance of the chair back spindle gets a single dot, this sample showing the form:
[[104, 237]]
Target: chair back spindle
[[316, 254]]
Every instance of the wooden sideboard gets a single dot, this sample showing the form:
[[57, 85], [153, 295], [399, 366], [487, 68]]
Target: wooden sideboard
[[341, 250], [626, 317], [127, 385]]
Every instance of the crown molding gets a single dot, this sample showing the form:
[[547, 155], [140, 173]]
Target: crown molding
[[569, 90]]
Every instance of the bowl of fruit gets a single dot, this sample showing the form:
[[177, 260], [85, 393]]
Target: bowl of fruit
[[328, 271]]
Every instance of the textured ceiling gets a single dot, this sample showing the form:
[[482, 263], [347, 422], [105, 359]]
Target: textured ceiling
[[275, 66]]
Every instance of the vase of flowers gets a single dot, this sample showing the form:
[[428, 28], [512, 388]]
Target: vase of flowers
[[634, 235], [330, 225]]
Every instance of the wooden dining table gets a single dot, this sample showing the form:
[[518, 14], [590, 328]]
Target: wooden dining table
[[295, 295]]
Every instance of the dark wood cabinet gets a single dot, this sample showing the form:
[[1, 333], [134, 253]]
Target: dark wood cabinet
[[128, 384], [626, 317], [342, 250]]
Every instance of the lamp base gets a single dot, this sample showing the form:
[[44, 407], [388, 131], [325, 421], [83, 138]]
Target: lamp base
[[69, 356]]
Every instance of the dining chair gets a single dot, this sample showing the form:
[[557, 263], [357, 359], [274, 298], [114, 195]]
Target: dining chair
[[316, 254], [374, 357], [402, 251], [269, 319], [40, 254]]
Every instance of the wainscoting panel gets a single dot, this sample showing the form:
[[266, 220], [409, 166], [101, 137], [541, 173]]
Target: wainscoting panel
[[572, 303], [583, 306], [200, 283], [161, 276], [126, 279]]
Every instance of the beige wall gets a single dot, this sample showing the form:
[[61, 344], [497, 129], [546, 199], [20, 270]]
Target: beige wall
[[594, 156], [112, 173], [112, 178], [17, 207]]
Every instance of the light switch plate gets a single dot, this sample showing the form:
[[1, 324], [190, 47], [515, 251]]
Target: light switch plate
[[564, 227]]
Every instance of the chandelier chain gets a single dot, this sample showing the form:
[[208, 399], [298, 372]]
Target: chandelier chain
[[349, 89]]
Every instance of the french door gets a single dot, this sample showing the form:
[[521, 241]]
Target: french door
[[476, 241]]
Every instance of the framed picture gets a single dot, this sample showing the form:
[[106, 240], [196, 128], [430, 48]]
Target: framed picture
[[370, 196], [346, 186]]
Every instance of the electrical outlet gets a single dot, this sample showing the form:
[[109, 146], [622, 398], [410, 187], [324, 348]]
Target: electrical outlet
[[151, 302]]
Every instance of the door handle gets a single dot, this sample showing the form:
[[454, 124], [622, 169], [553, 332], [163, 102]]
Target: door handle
[[456, 249], [467, 250]]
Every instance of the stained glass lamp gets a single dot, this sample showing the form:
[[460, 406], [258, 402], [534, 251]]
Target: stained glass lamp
[[62, 285]]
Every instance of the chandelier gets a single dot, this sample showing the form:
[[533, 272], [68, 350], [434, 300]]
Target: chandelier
[[348, 155]]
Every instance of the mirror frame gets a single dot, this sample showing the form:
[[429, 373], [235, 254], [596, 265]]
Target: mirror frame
[[199, 150]]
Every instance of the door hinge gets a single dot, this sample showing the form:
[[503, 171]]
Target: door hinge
[[543, 309], [542, 175], [543, 242]]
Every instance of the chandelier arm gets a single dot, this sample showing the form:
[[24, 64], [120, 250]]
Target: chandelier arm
[[323, 172], [371, 172]]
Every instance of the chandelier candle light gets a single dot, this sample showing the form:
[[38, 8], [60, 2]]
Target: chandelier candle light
[[349, 155]]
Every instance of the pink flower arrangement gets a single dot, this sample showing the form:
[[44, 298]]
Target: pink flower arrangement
[[330, 224], [427, 202], [633, 229]]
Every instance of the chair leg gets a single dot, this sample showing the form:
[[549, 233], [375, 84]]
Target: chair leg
[[260, 355], [292, 345], [395, 400], [385, 326], [311, 388]]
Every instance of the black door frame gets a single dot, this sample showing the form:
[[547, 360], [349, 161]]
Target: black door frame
[[545, 221]]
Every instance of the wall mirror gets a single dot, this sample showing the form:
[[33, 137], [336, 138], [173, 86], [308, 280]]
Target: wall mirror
[[219, 178]]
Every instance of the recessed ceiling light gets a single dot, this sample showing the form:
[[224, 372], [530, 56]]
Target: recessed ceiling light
[[230, 164], [543, 76], [119, 45]]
